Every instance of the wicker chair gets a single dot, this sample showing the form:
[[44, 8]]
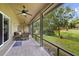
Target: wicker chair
[[25, 36], [16, 36]]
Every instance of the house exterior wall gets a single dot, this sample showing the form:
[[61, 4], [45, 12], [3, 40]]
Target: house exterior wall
[[13, 24]]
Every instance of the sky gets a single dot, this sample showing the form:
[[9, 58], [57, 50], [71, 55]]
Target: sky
[[74, 6]]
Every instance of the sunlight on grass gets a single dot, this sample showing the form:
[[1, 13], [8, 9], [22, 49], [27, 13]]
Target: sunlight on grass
[[71, 43]]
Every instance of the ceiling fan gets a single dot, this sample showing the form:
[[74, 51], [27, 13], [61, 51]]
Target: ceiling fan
[[24, 11]]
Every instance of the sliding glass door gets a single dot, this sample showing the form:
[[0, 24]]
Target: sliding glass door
[[4, 28], [1, 29]]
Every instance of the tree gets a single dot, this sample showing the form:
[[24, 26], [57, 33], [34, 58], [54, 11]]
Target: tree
[[58, 19], [72, 23], [48, 29], [68, 14]]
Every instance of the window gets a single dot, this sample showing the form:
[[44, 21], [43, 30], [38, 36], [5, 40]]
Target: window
[[37, 27], [4, 28], [0, 28]]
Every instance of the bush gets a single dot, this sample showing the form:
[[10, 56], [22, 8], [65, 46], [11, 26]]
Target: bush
[[49, 32]]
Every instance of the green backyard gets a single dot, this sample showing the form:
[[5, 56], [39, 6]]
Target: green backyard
[[70, 42]]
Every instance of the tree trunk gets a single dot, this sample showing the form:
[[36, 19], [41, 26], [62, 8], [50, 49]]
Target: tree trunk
[[59, 34], [66, 27]]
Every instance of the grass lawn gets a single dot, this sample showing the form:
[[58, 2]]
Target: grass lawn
[[69, 43]]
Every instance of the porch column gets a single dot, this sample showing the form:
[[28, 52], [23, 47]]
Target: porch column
[[41, 29], [32, 29]]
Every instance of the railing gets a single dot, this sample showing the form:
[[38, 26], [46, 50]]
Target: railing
[[58, 48]]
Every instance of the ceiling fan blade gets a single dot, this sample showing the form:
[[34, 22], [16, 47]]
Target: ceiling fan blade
[[29, 14]]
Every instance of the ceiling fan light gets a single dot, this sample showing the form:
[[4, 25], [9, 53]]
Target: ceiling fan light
[[23, 14]]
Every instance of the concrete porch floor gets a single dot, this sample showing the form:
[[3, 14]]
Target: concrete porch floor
[[26, 48]]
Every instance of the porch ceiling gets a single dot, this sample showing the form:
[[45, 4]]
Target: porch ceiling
[[33, 8]]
